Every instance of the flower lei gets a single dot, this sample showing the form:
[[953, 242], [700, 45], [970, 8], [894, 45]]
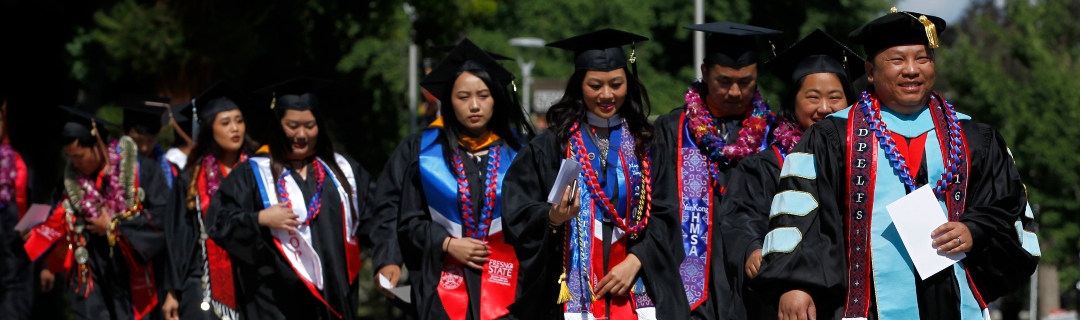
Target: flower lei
[[472, 230], [702, 125], [315, 205], [118, 173], [871, 109], [7, 173], [787, 134], [213, 177]]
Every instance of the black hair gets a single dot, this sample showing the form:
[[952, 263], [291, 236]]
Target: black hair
[[281, 146], [787, 102], [635, 110], [506, 115]]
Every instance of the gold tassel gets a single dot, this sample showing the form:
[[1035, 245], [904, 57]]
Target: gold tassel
[[931, 31], [893, 10], [564, 290], [273, 101]]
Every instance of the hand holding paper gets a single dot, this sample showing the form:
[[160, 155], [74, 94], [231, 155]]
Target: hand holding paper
[[568, 173], [916, 216]]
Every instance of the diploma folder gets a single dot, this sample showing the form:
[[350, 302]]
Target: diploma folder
[[568, 173], [36, 215]]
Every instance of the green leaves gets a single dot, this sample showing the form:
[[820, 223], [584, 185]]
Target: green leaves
[[1011, 68]]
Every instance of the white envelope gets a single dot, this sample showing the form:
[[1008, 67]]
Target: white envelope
[[916, 215], [568, 172]]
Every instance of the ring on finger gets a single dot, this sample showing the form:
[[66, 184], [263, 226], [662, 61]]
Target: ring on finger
[[961, 242]]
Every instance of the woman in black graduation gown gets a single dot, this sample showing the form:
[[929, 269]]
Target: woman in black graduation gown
[[817, 70], [289, 220], [106, 208], [200, 282], [450, 224], [600, 242]]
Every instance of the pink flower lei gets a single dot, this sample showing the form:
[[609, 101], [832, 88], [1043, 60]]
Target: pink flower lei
[[91, 198], [702, 125], [212, 170], [7, 173], [787, 134]]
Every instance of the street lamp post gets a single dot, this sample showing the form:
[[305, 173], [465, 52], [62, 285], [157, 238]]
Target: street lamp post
[[526, 67], [414, 54]]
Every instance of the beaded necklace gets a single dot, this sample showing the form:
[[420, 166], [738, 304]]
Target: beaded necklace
[[472, 230], [315, 205]]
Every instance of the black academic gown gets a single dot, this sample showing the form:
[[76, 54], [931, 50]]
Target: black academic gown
[[750, 190], [16, 270], [185, 271], [540, 250], [268, 288], [388, 200], [818, 264], [422, 239], [721, 302], [111, 295]]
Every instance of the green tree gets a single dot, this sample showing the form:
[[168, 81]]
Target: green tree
[[1015, 67]]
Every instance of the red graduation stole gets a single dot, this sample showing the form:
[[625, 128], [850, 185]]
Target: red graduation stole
[[222, 285]]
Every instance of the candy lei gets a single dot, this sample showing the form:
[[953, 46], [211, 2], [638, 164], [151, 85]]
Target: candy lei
[[85, 194], [703, 127], [871, 108], [471, 229], [7, 173], [593, 186], [787, 134], [315, 204]]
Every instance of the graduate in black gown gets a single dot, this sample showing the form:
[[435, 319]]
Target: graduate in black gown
[[388, 193], [817, 70], [724, 120], [143, 119], [293, 222], [109, 210], [201, 283], [833, 249], [603, 242], [451, 222], [16, 270]]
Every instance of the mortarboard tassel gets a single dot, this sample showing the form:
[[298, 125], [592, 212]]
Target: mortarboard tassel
[[273, 100], [633, 58], [931, 32]]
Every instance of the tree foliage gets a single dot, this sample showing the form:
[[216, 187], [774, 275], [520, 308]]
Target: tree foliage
[[1016, 67]]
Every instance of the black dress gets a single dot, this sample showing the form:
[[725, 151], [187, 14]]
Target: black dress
[[540, 250], [268, 287]]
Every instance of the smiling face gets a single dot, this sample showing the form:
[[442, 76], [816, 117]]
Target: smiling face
[[729, 88], [473, 104], [903, 77], [229, 129], [302, 132], [820, 95], [604, 92]]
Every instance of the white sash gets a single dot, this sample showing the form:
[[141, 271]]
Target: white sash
[[295, 246], [351, 223]]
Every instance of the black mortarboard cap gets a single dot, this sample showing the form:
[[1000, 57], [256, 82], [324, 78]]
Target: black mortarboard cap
[[599, 50], [816, 53], [183, 115], [82, 124], [144, 111], [465, 56], [493, 55], [898, 28], [222, 96], [732, 44], [295, 94]]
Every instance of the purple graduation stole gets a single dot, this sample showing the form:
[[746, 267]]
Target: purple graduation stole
[[695, 205]]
